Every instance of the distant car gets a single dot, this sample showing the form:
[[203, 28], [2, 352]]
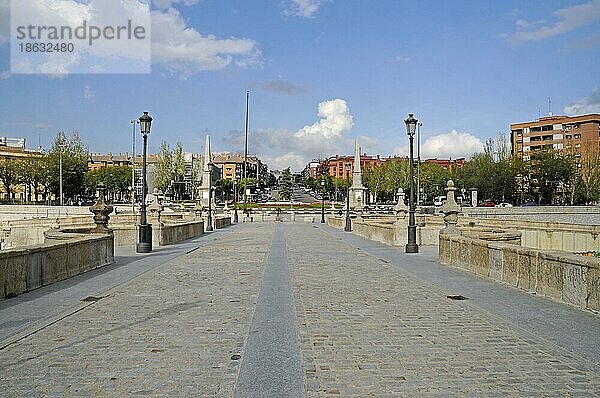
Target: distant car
[[504, 204], [529, 204], [488, 204]]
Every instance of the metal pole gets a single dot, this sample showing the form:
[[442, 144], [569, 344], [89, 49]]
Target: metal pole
[[419, 164], [60, 187], [322, 204], [411, 246], [348, 227], [246, 143], [145, 230], [133, 167]]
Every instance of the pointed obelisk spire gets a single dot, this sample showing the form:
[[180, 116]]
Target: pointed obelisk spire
[[207, 155], [356, 174]]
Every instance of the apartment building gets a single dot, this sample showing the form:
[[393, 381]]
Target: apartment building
[[578, 136]]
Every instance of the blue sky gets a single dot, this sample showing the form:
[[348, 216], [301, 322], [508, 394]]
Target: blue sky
[[322, 72]]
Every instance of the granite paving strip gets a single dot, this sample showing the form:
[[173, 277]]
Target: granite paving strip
[[271, 366], [176, 331], [368, 328]]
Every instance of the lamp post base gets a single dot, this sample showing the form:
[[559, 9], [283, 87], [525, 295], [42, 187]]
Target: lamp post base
[[348, 227], [145, 239], [411, 248]]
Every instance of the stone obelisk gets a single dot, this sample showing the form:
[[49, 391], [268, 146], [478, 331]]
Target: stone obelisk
[[206, 175], [357, 190]]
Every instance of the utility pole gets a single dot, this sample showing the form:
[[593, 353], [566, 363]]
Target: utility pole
[[246, 145]]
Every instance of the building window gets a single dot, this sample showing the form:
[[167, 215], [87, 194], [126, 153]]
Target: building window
[[577, 136], [577, 145], [567, 146], [568, 136], [535, 129], [547, 128]]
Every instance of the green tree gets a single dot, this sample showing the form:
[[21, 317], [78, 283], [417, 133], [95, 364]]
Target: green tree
[[225, 187], [10, 174], [74, 165], [179, 170], [285, 185], [551, 173], [116, 180], [164, 168], [374, 179]]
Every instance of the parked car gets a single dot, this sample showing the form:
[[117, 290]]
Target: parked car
[[504, 204], [488, 204]]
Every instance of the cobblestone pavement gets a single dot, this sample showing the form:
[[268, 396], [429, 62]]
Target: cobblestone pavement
[[366, 328]]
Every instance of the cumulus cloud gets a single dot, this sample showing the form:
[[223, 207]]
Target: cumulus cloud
[[174, 45], [568, 19], [590, 104], [335, 120], [281, 87], [453, 144], [301, 8], [183, 50], [283, 148]]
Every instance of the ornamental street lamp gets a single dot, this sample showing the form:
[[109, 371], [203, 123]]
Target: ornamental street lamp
[[411, 246], [348, 227], [235, 213], [322, 201], [145, 230]]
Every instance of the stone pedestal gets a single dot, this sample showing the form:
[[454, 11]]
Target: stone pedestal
[[450, 210]]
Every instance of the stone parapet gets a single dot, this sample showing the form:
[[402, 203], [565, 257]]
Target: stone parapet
[[559, 275], [61, 257]]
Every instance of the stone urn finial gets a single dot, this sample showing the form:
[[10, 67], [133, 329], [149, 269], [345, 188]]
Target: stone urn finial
[[101, 211], [198, 210], [401, 207], [450, 210], [155, 208]]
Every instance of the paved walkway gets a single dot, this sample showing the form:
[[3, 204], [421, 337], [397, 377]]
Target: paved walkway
[[291, 310]]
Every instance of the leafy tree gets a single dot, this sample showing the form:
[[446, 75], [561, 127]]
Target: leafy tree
[[164, 168], [285, 185], [10, 174], [551, 172], [178, 157], [34, 175], [74, 165], [225, 187], [374, 179], [116, 179]]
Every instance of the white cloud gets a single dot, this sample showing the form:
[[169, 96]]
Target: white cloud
[[569, 18], [301, 8], [453, 144], [589, 104], [182, 49], [284, 148], [5, 75], [335, 120], [164, 4], [175, 46]]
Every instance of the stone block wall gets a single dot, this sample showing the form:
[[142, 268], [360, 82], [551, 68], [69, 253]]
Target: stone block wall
[[559, 275], [30, 267]]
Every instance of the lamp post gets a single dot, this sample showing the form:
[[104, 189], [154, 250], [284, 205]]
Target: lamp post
[[209, 226], [145, 230], [322, 201], [411, 246], [235, 213], [419, 163], [348, 227], [62, 146], [133, 123]]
